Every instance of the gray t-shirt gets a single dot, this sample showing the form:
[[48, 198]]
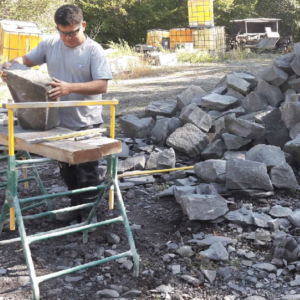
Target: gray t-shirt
[[84, 63]]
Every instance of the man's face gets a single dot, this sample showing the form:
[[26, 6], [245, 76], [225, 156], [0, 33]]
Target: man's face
[[73, 35]]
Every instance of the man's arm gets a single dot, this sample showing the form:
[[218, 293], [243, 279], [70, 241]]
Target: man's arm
[[62, 88]]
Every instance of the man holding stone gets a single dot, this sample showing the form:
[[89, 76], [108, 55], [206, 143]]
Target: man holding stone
[[80, 71]]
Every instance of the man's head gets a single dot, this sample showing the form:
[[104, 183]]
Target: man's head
[[70, 25]]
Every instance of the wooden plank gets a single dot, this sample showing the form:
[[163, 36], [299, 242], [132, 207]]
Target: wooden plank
[[69, 151]]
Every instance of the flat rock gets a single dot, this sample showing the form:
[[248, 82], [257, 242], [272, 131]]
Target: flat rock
[[255, 298], [273, 75], [293, 147], [106, 293], [204, 207], [233, 93], [215, 150], [272, 93], [234, 142], [261, 220], [294, 218], [216, 252], [208, 241], [254, 194], [210, 275], [132, 163], [165, 159], [212, 170], [278, 211], [185, 251], [238, 84], [283, 177], [195, 115], [243, 128], [240, 217], [218, 102], [234, 155], [191, 280], [290, 297], [269, 155], [187, 96], [188, 139], [284, 63], [245, 174], [290, 114], [132, 294], [140, 180], [255, 102], [295, 64], [265, 267], [166, 108], [134, 127], [181, 191]]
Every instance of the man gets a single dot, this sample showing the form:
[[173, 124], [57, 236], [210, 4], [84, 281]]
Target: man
[[80, 71]]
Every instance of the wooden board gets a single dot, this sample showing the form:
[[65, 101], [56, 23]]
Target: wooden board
[[69, 151]]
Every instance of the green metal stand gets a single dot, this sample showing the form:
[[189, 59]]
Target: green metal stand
[[12, 201]]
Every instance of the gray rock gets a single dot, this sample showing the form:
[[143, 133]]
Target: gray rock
[[73, 279], [290, 297], [165, 159], [295, 131], [125, 151], [166, 108], [134, 127], [242, 218], [173, 125], [255, 298], [234, 155], [278, 211], [188, 139], [243, 128], [185, 251], [106, 293], [186, 181], [245, 174], [238, 84], [246, 76], [295, 84], [284, 63], [261, 220], [273, 75], [283, 177], [290, 114], [191, 280], [218, 102], [3, 271], [112, 238], [128, 265], [132, 163], [220, 89], [181, 191], [295, 282], [216, 252], [168, 192], [160, 131], [212, 170], [210, 275], [295, 64], [218, 125], [186, 97], [206, 189], [140, 180], [294, 218], [208, 241], [288, 96], [297, 48], [132, 294], [272, 93], [204, 207], [32, 86], [176, 269], [235, 94], [215, 150], [267, 154], [234, 142], [255, 102], [195, 115], [293, 147], [279, 224], [265, 267]]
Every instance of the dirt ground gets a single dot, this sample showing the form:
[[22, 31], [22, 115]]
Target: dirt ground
[[161, 219]]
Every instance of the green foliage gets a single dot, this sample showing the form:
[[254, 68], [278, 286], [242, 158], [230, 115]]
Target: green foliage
[[121, 49]]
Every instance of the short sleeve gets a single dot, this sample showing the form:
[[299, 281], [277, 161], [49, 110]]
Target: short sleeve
[[38, 54], [100, 67]]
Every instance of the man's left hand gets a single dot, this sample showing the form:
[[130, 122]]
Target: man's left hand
[[61, 88]]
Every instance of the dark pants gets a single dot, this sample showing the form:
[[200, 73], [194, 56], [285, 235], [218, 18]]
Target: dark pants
[[81, 176]]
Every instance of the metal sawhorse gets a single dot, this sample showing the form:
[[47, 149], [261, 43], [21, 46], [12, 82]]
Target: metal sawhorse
[[12, 204]]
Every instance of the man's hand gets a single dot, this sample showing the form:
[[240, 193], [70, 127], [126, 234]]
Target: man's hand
[[3, 67], [61, 88]]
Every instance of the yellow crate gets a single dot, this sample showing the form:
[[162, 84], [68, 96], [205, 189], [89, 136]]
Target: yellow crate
[[210, 39], [17, 38], [201, 12], [180, 36], [155, 36]]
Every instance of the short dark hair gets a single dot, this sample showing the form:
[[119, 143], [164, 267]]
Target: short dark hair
[[68, 15]]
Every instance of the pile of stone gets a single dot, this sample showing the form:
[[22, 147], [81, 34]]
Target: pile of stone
[[243, 137]]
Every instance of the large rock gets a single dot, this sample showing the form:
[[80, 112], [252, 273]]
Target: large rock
[[195, 115], [216, 252], [204, 207], [273, 75], [136, 128], [166, 108], [234, 155], [235, 94], [160, 132], [33, 86], [238, 84], [246, 76], [290, 114], [218, 102], [187, 96], [132, 163], [188, 139], [267, 154], [261, 220], [215, 150], [254, 102], [212, 170], [272, 93], [244, 128], [165, 159], [295, 131], [246, 174], [293, 147], [234, 142], [181, 192], [243, 217], [295, 64], [283, 177], [284, 63], [278, 211]]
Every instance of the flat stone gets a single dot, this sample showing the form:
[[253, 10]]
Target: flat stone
[[187, 96], [210, 275], [215, 150], [106, 293], [269, 155], [185, 251], [255, 298], [134, 127], [235, 94], [278, 211], [291, 297], [295, 131], [234, 155], [246, 76], [245, 174], [272, 93], [174, 124], [132, 163], [293, 147], [208, 241], [140, 180], [290, 114], [166, 108], [218, 102], [216, 252], [254, 102], [212, 170], [295, 64], [204, 207], [265, 267], [238, 217], [188, 139], [132, 294], [195, 115], [234, 142], [294, 218], [191, 280], [243, 128], [238, 84], [176, 269], [273, 75], [165, 159], [261, 220], [125, 151], [283, 177], [206, 189]]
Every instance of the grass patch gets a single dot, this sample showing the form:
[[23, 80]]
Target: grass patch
[[121, 49]]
